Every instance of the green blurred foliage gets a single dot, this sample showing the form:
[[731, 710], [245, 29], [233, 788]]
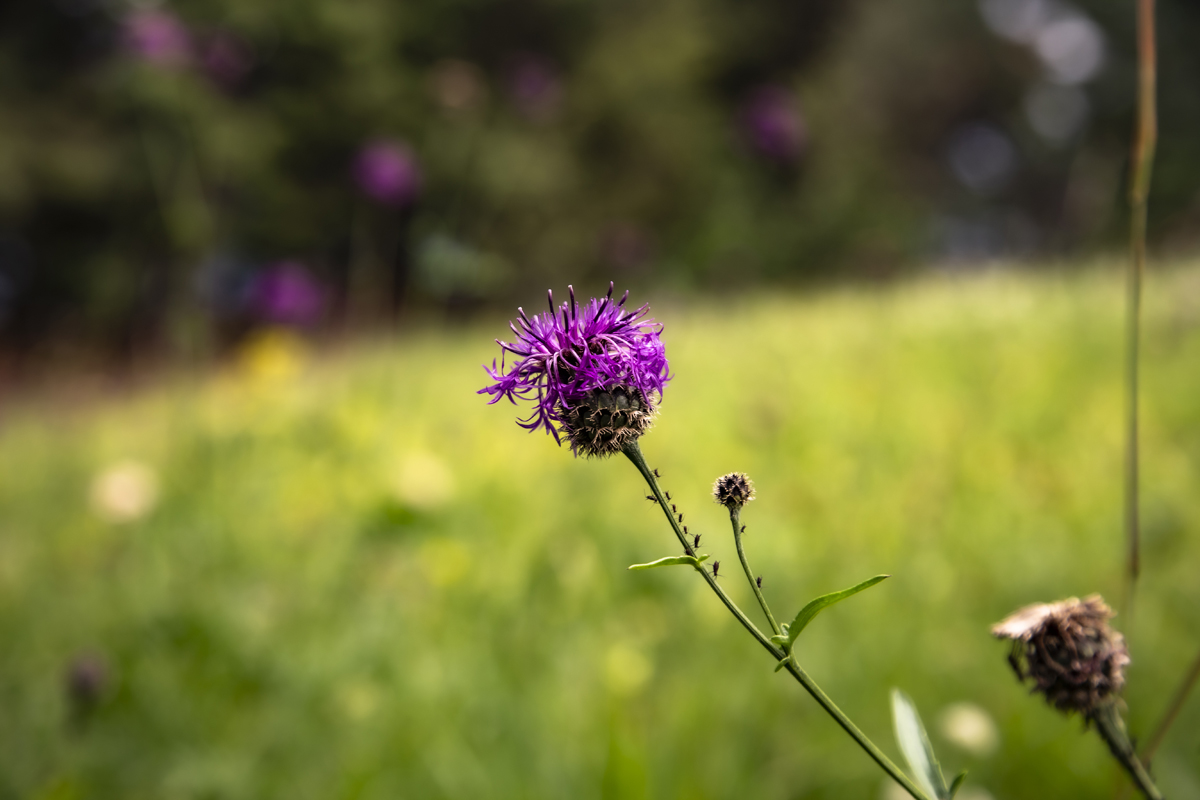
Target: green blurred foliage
[[346, 576], [556, 140]]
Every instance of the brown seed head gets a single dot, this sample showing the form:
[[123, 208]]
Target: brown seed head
[[603, 422], [733, 490], [1074, 658]]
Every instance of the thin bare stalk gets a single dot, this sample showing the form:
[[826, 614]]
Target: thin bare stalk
[[735, 517], [1142, 162], [1172, 711]]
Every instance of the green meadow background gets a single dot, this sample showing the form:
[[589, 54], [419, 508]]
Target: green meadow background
[[346, 576]]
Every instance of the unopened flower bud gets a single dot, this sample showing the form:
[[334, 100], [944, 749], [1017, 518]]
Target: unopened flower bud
[[1074, 658], [602, 422], [733, 490]]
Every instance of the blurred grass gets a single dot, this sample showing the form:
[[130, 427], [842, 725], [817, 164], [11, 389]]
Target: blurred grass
[[360, 581]]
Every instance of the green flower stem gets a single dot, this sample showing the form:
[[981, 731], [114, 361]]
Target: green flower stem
[[634, 453], [735, 517], [1111, 728]]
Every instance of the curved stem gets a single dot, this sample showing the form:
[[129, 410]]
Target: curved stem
[[735, 517], [1111, 728], [634, 453]]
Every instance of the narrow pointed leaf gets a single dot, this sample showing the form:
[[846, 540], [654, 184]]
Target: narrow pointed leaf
[[957, 783], [823, 602], [671, 561], [914, 743]]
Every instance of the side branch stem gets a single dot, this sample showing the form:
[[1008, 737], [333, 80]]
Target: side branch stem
[[735, 517], [634, 453]]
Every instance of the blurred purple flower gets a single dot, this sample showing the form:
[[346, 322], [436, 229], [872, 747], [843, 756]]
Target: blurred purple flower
[[158, 37], [226, 59], [771, 122], [287, 293], [535, 86], [387, 171], [572, 350]]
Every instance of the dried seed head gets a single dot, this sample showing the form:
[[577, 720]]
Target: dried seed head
[[604, 421], [733, 490], [1074, 658]]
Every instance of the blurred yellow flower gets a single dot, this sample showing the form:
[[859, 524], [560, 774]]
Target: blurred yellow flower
[[272, 354]]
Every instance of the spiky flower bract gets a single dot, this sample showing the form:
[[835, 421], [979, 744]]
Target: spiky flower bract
[[733, 490], [595, 371], [1069, 650]]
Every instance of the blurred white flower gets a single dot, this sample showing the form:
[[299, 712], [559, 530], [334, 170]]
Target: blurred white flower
[[970, 727], [1016, 20], [1069, 43], [124, 491], [1071, 49]]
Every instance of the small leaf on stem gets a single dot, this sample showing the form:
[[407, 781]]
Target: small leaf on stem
[[671, 561], [823, 602]]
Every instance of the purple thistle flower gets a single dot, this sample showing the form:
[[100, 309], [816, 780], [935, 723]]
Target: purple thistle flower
[[596, 369]]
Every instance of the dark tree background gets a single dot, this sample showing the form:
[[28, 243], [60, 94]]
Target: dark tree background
[[173, 175]]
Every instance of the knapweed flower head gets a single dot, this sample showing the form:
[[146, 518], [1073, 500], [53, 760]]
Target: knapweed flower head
[[1074, 658], [594, 371], [733, 490]]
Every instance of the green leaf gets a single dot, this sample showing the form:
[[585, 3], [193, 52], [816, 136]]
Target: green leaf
[[914, 743], [783, 662], [823, 602], [957, 783], [671, 561]]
